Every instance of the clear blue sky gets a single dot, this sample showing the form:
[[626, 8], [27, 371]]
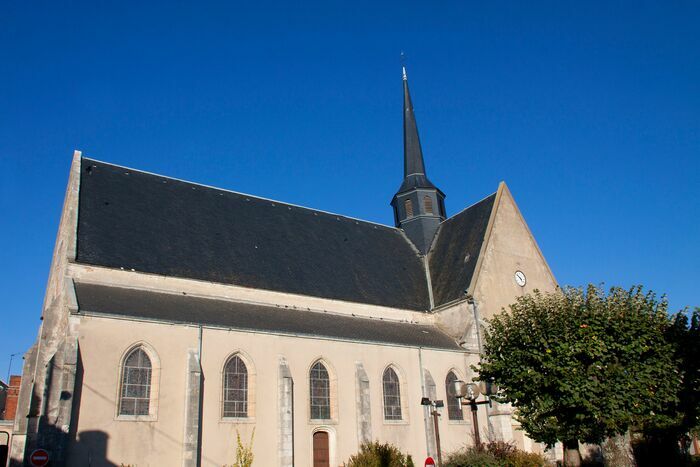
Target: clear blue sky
[[590, 111]]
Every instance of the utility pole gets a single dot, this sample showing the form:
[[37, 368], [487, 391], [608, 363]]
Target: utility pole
[[434, 412], [9, 367]]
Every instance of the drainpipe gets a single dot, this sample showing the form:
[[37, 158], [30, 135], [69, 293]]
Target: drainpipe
[[426, 412], [477, 323]]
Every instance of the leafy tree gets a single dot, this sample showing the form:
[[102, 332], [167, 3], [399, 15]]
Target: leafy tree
[[660, 435], [582, 365], [685, 336]]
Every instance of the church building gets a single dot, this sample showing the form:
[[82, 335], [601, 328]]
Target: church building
[[178, 316]]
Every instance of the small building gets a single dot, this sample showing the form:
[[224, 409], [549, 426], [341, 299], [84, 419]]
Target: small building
[[179, 315], [9, 393]]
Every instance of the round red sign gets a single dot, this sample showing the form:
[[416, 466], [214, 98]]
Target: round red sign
[[39, 458], [429, 462]]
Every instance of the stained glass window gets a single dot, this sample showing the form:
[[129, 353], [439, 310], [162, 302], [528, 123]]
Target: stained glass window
[[136, 384], [320, 392], [392, 395], [454, 407], [235, 388]]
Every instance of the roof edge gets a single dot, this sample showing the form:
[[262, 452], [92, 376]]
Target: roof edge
[[487, 236]]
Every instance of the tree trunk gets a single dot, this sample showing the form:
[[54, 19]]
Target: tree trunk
[[617, 451], [572, 456]]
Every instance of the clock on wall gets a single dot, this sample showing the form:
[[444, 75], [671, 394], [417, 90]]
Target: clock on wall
[[520, 278]]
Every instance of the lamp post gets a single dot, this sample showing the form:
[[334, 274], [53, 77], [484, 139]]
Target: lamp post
[[434, 406], [9, 368], [467, 394]]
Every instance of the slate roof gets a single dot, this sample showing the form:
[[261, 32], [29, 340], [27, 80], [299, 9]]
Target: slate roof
[[135, 220], [114, 301], [456, 249], [139, 221]]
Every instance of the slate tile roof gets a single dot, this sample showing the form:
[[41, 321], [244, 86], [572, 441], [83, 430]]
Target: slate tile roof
[[142, 304], [139, 221], [135, 220], [456, 249]]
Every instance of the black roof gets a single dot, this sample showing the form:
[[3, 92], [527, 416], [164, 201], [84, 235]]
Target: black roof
[[135, 220], [456, 249], [180, 308]]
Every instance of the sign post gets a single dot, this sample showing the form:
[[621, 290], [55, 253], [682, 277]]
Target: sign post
[[39, 458]]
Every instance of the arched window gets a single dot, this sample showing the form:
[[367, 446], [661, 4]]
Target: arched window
[[428, 203], [392, 395], [135, 394], [408, 206], [320, 392], [235, 388], [454, 406]]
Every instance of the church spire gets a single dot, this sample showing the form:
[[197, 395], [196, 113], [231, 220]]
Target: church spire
[[412, 152], [419, 206]]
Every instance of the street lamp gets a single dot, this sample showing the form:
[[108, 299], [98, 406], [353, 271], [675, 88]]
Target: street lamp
[[434, 406], [9, 369], [468, 393]]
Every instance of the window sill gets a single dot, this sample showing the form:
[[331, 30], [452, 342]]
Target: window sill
[[395, 422], [322, 421], [458, 422], [237, 420], [136, 418]]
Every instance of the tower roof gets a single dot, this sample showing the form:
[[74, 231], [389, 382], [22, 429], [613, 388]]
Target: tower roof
[[413, 164]]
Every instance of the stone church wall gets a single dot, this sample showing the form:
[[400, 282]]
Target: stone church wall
[[160, 440]]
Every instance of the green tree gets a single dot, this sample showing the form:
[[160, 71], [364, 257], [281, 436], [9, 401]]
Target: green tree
[[661, 434], [582, 365], [685, 336]]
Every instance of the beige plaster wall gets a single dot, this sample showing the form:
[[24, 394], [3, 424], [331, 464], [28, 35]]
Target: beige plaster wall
[[510, 247], [264, 351], [100, 431], [103, 342]]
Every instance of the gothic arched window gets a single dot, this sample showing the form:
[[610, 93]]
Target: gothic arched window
[[135, 394], [235, 388], [428, 203], [454, 406], [392, 395], [320, 392], [408, 205]]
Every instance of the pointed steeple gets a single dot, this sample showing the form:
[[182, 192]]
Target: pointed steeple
[[412, 152], [419, 206]]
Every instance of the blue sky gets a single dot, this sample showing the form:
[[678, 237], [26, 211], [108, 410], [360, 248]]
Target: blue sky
[[590, 111]]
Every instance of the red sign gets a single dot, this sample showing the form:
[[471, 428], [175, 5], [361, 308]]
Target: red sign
[[39, 458], [429, 462]]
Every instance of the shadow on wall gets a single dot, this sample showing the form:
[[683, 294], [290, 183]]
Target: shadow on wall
[[90, 449], [4, 447]]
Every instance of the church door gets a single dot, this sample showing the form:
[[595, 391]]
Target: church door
[[321, 454]]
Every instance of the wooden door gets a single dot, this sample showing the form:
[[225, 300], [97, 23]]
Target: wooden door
[[321, 454]]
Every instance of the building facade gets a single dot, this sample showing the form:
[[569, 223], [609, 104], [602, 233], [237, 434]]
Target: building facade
[[178, 316]]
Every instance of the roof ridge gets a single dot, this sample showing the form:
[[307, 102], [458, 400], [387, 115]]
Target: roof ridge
[[395, 229]]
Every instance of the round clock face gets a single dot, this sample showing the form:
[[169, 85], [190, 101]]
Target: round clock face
[[520, 278]]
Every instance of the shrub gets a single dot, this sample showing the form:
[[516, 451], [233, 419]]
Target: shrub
[[471, 457], [494, 454], [376, 454], [244, 452]]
